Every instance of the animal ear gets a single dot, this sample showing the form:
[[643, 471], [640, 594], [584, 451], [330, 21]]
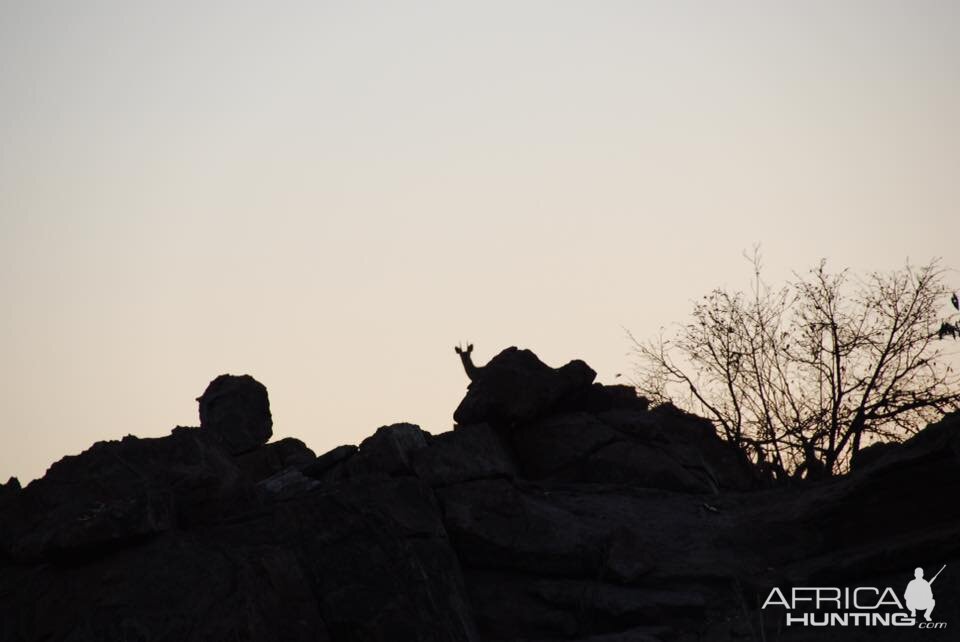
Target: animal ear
[[469, 347], [456, 349]]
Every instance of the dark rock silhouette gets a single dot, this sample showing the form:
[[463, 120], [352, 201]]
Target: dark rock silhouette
[[236, 411], [558, 509], [329, 460], [515, 386], [274, 458], [470, 453]]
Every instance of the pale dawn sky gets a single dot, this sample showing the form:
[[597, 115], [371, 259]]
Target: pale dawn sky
[[330, 195]]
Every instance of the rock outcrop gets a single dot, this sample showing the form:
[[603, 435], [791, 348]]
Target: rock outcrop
[[516, 387], [557, 509], [235, 410]]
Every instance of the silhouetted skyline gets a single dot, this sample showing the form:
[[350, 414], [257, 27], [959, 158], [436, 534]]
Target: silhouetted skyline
[[328, 197]]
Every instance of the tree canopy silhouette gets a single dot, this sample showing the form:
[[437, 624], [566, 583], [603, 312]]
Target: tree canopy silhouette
[[803, 376]]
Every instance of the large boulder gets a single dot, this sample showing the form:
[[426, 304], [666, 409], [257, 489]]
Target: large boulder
[[497, 524], [560, 426], [659, 449], [689, 442], [381, 564], [468, 453], [515, 387], [319, 467], [236, 411], [274, 458], [386, 453], [556, 447], [600, 397]]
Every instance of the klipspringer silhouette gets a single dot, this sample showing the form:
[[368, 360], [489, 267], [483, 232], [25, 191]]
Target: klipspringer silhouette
[[467, 361]]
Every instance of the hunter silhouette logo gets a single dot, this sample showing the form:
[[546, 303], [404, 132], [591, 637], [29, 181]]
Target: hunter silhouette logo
[[822, 606], [919, 595]]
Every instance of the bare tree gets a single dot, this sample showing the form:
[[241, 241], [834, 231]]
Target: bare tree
[[803, 376]]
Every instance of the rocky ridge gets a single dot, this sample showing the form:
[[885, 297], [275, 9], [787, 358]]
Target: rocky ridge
[[557, 509]]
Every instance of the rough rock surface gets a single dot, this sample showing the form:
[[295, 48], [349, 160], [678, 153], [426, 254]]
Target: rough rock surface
[[562, 510], [236, 411], [515, 386]]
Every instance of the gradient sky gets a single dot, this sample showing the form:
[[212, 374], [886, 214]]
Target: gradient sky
[[330, 195]]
